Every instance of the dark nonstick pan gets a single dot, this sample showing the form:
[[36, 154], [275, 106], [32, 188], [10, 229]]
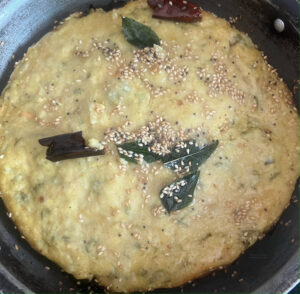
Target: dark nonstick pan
[[272, 265]]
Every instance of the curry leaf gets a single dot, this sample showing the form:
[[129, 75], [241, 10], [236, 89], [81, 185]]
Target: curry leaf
[[189, 156], [138, 34], [185, 158], [179, 194], [133, 150], [68, 146]]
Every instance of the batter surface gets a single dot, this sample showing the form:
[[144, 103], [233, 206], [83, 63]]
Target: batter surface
[[102, 216]]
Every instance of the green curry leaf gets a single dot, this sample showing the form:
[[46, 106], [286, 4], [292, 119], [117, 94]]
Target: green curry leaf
[[138, 34], [185, 158], [132, 150], [179, 194], [188, 157]]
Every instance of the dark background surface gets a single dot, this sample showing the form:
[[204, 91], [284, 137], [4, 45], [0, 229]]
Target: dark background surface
[[270, 264]]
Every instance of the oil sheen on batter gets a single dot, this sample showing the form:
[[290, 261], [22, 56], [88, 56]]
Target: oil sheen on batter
[[102, 216]]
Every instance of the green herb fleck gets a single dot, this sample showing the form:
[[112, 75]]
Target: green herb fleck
[[274, 176], [249, 237], [179, 194], [138, 34], [78, 91]]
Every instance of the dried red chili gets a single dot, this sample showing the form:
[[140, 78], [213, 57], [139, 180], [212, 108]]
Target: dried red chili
[[179, 10]]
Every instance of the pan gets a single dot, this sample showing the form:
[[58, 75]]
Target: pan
[[272, 264]]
